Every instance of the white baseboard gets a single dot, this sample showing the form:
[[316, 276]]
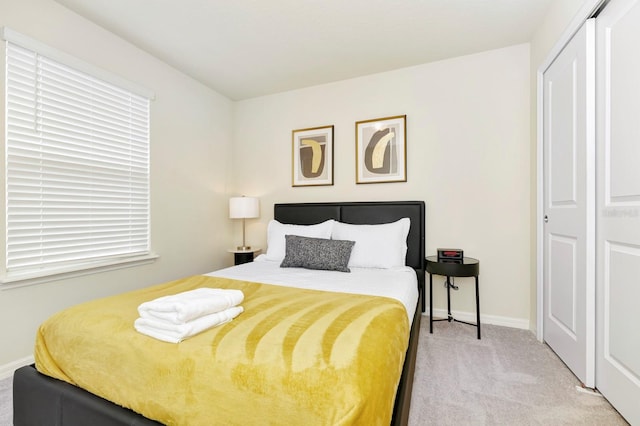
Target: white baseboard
[[7, 370], [484, 319]]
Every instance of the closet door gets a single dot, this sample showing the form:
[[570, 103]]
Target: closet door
[[618, 206], [569, 200]]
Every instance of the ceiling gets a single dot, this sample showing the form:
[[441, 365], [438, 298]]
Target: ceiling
[[250, 48]]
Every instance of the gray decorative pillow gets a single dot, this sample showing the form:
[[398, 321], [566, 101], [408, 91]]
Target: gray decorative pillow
[[317, 253]]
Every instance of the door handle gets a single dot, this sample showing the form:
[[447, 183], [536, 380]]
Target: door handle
[[546, 218]]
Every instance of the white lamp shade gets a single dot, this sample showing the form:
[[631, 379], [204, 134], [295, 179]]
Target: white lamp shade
[[243, 207]]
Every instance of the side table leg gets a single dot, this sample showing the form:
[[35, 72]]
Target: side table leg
[[449, 316], [478, 306], [430, 303], [424, 296]]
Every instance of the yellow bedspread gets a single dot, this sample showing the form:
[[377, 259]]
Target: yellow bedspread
[[293, 357]]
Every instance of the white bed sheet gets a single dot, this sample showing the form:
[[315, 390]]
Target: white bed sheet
[[398, 283]]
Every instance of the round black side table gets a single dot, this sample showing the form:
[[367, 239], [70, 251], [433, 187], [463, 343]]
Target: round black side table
[[469, 267], [243, 256]]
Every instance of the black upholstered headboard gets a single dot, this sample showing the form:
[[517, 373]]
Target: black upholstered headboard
[[364, 213]]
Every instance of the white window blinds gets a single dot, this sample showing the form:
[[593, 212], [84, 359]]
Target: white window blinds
[[77, 167]]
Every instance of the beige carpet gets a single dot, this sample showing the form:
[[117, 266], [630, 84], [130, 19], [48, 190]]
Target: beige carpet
[[507, 378]]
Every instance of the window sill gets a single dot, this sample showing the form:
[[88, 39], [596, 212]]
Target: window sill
[[23, 279]]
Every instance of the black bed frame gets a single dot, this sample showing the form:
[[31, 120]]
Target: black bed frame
[[42, 400]]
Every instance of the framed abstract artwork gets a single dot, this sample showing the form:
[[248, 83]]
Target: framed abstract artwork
[[312, 156], [381, 150]]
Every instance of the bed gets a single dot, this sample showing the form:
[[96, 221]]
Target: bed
[[40, 399]]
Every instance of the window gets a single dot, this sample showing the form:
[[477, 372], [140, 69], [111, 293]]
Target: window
[[77, 167]]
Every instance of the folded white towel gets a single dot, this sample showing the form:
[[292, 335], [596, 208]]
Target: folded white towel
[[175, 333], [183, 307]]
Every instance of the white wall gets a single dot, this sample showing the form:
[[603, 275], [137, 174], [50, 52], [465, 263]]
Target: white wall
[[190, 148], [468, 159]]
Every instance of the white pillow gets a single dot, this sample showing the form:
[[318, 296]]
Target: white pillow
[[276, 244], [381, 246]]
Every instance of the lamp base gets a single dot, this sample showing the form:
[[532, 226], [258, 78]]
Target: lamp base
[[243, 248]]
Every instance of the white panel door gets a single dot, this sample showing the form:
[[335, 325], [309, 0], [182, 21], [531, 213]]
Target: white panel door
[[618, 206], [569, 202]]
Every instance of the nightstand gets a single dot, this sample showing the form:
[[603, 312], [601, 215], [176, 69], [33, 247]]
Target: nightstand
[[244, 256], [469, 267]]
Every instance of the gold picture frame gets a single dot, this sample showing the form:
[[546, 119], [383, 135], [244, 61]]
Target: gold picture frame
[[312, 156], [381, 150]]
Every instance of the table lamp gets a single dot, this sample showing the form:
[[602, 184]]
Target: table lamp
[[243, 208]]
